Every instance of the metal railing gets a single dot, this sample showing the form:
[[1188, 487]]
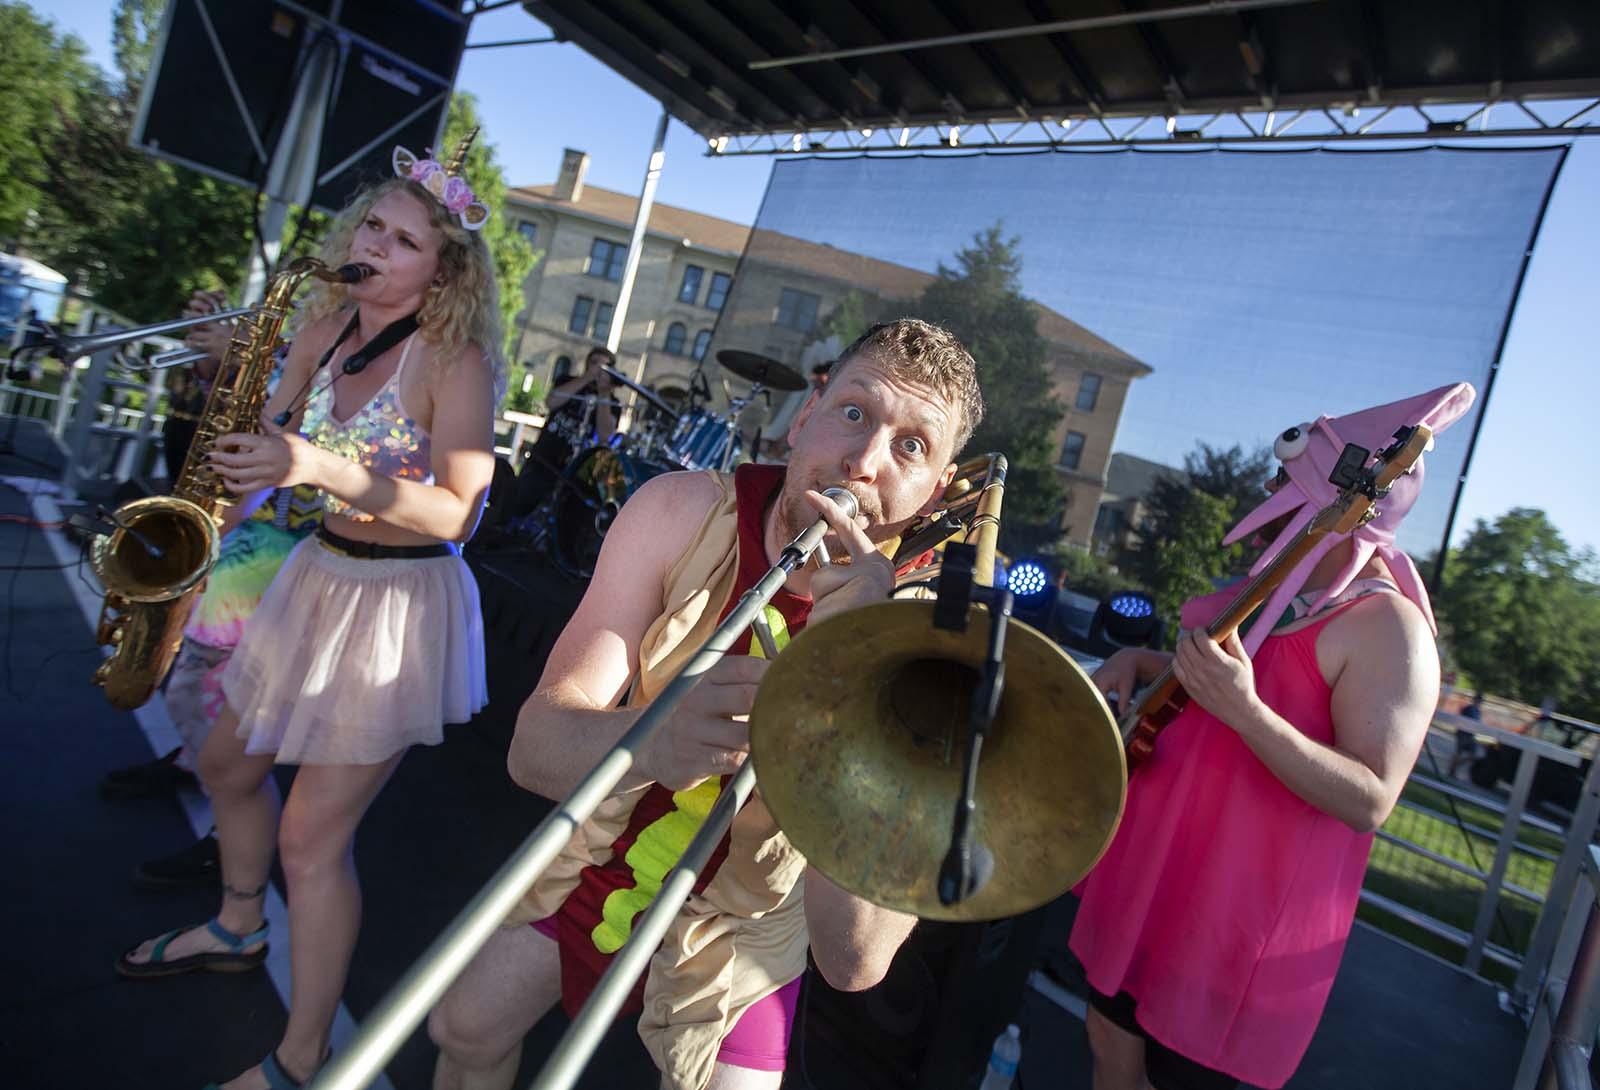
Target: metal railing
[[1566, 1010], [1531, 962]]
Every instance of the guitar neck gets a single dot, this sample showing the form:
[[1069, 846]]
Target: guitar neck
[[1165, 686]]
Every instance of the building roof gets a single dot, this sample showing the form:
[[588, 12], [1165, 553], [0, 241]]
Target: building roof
[[891, 281], [1129, 476], [882, 278], [669, 220]]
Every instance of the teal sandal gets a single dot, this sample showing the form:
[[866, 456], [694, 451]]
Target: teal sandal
[[277, 1077], [233, 960]]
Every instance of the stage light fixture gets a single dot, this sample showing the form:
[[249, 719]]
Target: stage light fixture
[[1126, 618], [1028, 580]]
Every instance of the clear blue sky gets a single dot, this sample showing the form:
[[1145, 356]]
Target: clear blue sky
[[1537, 445]]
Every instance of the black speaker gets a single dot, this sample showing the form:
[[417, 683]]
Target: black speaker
[[932, 1021], [225, 71]]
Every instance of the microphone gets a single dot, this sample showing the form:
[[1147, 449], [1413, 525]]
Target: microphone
[[353, 273], [844, 498], [106, 529], [149, 546]]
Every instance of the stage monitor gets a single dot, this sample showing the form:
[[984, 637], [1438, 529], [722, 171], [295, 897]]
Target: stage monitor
[[225, 71]]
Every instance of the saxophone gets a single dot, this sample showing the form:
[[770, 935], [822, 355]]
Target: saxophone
[[155, 563]]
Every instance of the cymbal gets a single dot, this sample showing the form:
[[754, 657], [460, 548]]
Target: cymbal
[[757, 368], [858, 735], [643, 391]]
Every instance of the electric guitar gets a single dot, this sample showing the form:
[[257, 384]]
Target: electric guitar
[[1362, 487]]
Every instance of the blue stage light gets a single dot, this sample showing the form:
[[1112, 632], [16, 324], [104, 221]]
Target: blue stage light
[[1028, 580], [1131, 606]]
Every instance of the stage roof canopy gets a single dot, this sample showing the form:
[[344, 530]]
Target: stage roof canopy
[[757, 76]]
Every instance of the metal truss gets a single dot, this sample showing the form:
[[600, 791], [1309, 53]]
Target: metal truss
[[1504, 118]]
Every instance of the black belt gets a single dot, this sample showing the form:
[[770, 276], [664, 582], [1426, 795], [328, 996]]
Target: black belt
[[367, 550]]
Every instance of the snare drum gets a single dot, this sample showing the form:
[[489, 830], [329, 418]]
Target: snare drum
[[704, 441], [593, 489]]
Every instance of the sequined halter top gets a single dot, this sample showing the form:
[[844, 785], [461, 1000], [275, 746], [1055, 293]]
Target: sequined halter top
[[380, 435]]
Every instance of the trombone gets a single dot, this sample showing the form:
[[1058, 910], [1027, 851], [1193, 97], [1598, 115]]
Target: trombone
[[964, 885], [68, 349]]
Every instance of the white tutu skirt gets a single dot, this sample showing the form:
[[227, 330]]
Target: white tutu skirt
[[350, 661]]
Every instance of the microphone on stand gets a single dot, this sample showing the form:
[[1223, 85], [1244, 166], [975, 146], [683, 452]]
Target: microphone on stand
[[112, 525]]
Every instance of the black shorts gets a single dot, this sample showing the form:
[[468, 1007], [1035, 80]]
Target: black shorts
[[1166, 1069]]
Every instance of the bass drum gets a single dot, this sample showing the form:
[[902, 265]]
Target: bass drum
[[704, 441], [593, 489]]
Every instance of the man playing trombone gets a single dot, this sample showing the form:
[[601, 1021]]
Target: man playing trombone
[[716, 1005]]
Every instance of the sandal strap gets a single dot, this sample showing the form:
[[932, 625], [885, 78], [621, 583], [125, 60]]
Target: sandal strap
[[158, 953], [236, 942], [277, 1078]]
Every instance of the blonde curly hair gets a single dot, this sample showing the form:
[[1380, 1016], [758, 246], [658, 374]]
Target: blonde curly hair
[[465, 311]]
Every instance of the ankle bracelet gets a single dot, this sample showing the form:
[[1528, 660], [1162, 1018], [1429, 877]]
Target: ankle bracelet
[[243, 894]]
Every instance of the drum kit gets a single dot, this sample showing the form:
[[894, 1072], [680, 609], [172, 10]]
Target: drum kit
[[600, 477]]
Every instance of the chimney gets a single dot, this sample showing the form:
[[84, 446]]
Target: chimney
[[569, 183]]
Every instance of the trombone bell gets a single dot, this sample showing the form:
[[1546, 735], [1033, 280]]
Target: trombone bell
[[858, 736]]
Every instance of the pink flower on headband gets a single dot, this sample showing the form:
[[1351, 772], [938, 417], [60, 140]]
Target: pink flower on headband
[[450, 190], [457, 195]]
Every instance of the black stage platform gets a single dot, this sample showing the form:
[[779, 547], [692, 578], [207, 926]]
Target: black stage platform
[[451, 815]]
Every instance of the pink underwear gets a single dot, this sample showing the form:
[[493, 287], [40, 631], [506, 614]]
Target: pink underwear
[[760, 1039]]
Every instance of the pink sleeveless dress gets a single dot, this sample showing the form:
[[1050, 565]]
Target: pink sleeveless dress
[[1224, 901]]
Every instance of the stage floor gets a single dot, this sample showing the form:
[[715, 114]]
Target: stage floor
[[450, 816]]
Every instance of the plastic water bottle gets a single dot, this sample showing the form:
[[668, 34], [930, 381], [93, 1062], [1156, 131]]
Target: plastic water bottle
[[1003, 1060]]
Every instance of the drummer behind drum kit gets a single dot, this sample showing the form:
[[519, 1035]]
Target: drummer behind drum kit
[[601, 476]]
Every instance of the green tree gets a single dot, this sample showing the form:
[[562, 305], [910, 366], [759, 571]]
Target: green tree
[[133, 40], [1521, 611], [846, 321], [1235, 478], [514, 258], [1084, 572], [1180, 554], [981, 301], [1230, 474], [41, 82], [139, 234]]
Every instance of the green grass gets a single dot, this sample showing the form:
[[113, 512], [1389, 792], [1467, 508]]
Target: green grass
[[1447, 895]]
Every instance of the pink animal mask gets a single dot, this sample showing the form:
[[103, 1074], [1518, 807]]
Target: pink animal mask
[[1309, 452]]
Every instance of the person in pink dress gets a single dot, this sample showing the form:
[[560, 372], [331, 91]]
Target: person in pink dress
[[1213, 927]]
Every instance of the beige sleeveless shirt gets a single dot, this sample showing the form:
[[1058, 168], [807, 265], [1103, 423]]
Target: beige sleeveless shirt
[[744, 936]]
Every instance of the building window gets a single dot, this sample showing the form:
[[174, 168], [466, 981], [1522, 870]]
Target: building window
[[1088, 392], [606, 259], [689, 290], [717, 294], [677, 333], [1072, 450], [702, 341], [582, 307], [797, 310], [562, 371], [529, 231], [602, 320]]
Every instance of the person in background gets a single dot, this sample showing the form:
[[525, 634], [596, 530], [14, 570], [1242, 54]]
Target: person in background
[[579, 412], [1467, 748], [188, 387]]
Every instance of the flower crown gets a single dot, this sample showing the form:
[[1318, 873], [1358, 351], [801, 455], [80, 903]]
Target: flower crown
[[445, 182]]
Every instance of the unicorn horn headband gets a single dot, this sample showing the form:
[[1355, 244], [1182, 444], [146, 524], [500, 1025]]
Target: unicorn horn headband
[[445, 182]]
